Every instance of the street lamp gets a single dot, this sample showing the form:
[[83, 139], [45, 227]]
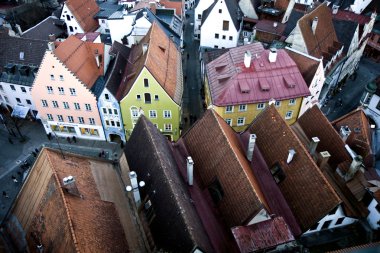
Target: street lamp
[[135, 187]]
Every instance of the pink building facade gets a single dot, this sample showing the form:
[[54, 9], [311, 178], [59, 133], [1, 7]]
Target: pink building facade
[[65, 105]]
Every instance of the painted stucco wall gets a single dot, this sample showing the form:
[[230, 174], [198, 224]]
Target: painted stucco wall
[[52, 66], [70, 23], [296, 39], [202, 5], [121, 27], [7, 92], [248, 9], [164, 102], [360, 5]]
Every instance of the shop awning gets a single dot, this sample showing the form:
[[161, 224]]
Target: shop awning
[[20, 111]]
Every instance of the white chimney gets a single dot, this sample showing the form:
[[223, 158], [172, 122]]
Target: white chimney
[[313, 145], [272, 55], [51, 46], [251, 146], [247, 59], [275, 24], [190, 170], [323, 159], [335, 9], [314, 25], [52, 37], [344, 132], [18, 27], [97, 58], [145, 47], [354, 167], [291, 154]]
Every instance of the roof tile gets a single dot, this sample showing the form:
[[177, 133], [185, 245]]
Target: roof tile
[[84, 12]]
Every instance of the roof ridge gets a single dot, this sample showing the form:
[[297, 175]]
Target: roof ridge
[[347, 115]]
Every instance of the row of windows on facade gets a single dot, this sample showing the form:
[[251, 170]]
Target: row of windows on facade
[[52, 77], [71, 130], [243, 108], [17, 99], [61, 90], [23, 89], [241, 120], [65, 105], [147, 98], [71, 119], [167, 127], [167, 114]]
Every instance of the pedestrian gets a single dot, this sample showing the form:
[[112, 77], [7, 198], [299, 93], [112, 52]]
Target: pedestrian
[[10, 140], [14, 179], [188, 56], [49, 136], [74, 139], [36, 149], [34, 154], [103, 153], [5, 194]]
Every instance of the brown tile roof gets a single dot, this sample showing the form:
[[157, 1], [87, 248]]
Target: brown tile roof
[[306, 65], [79, 57], [173, 5], [162, 59], [217, 153], [304, 185], [370, 247], [231, 82], [325, 36], [60, 220], [84, 12]]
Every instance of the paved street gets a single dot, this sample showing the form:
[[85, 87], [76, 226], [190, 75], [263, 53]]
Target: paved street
[[352, 90], [192, 101]]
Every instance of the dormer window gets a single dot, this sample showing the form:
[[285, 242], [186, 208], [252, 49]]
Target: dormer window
[[277, 173]]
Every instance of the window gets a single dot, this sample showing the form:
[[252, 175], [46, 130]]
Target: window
[[117, 123], [61, 78], [152, 114], [146, 82], [216, 191], [61, 90], [1, 87], [104, 110], [231, 38], [44, 103], [68, 17], [50, 117], [77, 106], [260, 106], [378, 106], [147, 98], [81, 120], [326, 224], [115, 112], [88, 107], [138, 97], [167, 127], [289, 115], [292, 101], [49, 89], [156, 97], [215, 46], [73, 92], [229, 108], [109, 111], [339, 221], [103, 21], [135, 112], [167, 114], [216, 35], [224, 37], [277, 173], [71, 119], [60, 118], [229, 122], [199, 16], [92, 121], [66, 105], [107, 123], [240, 121], [106, 96], [226, 25], [23, 89], [112, 123], [277, 103], [242, 108], [28, 102], [18, 100], [52, 77], [220, 10], [71, 28], [55, 104]]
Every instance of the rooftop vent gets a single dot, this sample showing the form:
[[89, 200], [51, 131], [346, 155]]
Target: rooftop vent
[[264, 84], [244, 87], [144, 47], [344, 132], [251, 146], [247, 59], [190, 170], [313, 145], [272, 55], [335, 9], [52, 37], [291, 154], [323, 159], [68, 180], [314, 25]]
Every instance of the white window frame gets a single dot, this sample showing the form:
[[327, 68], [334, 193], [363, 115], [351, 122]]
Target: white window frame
[[241, 123], [55, 104], [231, 107], [66, 105], [81, 120], [260, 106], [134, 112], [44, 103], [168, 127], [277, 103], [77, 106], [229, 121], [50, 117], [60, 118], [167, 114], [244, 109], [92, 121], [292, 101], [88, 107], [289, 116], [153, 114], [61, 91], [49, 89], [73, 91], [71, 119]]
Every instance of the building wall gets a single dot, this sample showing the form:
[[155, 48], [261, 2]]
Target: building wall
[[9, 96], [374, 215], [120, 27], [247, 8], [296, 39], [164, 102], [110, 116], [103, 26], [73, 23], [52, 66], [202, 5], [214, 23], [359, 5]]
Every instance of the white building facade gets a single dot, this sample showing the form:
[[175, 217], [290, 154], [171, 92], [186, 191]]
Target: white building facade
[[202, 6], [72, 24]]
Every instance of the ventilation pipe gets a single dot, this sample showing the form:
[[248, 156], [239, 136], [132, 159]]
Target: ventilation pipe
[[190, 170], [251, 146], [247, 59], [272, 55], [51, 46], [291, 154], [313, 145], [97, 58], [52, 37], [145, 47], [314, 25]]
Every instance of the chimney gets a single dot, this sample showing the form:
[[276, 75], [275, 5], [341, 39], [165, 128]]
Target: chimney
[[18, 27], [314, 24], [251, 146], [247, 59], [354, 167], [145, 47], [145, 14], [97, 58], [152, 7], [323, 159], [313, 145], [70, 186], [190, 169], [275, 24], [344, 132], [291, 154], [335, 9], [52, 37], [272, 55], [51, 46]]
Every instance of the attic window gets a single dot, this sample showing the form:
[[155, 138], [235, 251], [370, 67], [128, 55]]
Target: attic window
[[277, 173], [162, 48], [244, 88], [224, 77], [289, 81], [264, 84], [220, 66]]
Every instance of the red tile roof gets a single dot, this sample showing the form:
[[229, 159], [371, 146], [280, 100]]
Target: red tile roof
[[90, 36], [228, 77], [84, 12], [263, 235], [79, 57], [177, 5], [304, 185], [351, 16]]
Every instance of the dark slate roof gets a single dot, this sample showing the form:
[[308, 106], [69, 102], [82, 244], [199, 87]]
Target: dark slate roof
[[207, 12], [11, 47], [106, 9], [233, 8], [98, 86], [50, 25], [345, 31], [18, 74], [292, 21], [117, 67], [176, 226]]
